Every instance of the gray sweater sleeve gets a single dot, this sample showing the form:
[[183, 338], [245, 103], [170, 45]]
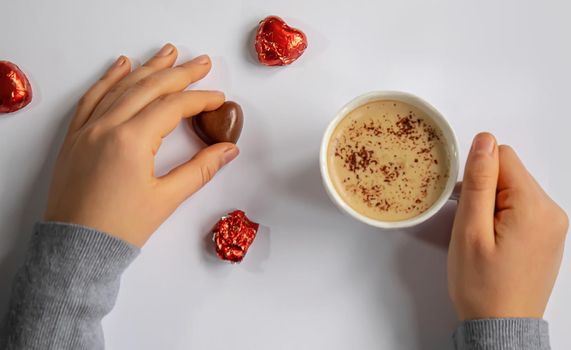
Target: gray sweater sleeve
[[502, 334], [69, 281], [71, 276]]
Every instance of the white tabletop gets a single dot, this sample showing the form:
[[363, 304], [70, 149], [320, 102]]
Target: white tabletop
[[314, 279]]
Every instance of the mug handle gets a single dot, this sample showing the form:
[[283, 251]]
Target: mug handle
[[455, 196]]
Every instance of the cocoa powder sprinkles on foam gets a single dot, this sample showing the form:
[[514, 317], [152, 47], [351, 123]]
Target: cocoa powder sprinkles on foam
[[388, 160]]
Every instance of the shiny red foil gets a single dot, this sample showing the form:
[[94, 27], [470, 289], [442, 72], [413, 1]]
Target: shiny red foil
[[278, 44], [15, 89], [233, 234]]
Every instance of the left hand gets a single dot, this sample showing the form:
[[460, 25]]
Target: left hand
[[507, 240]]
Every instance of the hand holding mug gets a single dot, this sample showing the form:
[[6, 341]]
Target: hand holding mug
[[508, 237]]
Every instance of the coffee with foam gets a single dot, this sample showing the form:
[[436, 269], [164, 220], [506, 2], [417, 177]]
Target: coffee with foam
[[388, 160]]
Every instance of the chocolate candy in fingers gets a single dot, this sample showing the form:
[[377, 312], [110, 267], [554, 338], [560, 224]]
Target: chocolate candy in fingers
[[221, 125]]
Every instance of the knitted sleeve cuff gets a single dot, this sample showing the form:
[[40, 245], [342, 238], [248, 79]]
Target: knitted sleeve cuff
[[502, 334]]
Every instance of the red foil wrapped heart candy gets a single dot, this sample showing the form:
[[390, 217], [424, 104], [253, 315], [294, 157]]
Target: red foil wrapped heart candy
[[15, 89], [233, 234], [278, 44]]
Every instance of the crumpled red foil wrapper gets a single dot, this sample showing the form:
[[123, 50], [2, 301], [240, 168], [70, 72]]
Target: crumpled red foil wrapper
[[278, 44], [15, 89], [233, 234]]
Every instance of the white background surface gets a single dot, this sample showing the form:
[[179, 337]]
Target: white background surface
[[314, 279]]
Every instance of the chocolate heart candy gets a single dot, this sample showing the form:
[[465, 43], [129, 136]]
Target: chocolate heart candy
[[278, 44], [221, 125], [15, 89]]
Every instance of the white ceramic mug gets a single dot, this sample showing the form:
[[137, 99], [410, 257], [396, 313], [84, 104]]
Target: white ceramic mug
[[450, 141]]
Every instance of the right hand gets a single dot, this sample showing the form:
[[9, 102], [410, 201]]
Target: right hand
[[507, 240]]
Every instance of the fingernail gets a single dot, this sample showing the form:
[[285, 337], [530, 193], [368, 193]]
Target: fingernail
[[120, 61], [230, 154], [165, 51], [484, 143], [202, 59]]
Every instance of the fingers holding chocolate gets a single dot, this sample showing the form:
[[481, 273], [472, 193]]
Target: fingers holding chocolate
[[189, 177], [155, 86], [158, 119]]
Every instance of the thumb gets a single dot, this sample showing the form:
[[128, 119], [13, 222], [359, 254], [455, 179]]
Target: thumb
[[189, 177], [476, 207]]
